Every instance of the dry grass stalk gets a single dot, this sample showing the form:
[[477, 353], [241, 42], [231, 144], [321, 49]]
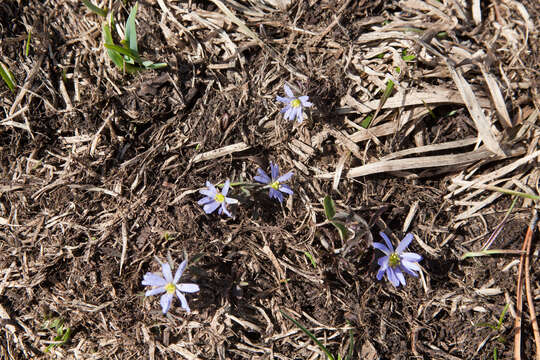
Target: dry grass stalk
[[414, 163], [483, 125]]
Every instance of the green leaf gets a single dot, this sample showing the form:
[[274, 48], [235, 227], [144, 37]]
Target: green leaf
[[310, 257], [66, 335], [131, 31], [308, 333], [329, 207], [94, 8], [342, 230], [125, 51], [406, 57], [409, 58], [8, 77]]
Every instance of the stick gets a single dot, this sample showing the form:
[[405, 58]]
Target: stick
[[528, 292]]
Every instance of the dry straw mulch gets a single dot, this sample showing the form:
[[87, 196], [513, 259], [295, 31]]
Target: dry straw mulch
[[101, 172]]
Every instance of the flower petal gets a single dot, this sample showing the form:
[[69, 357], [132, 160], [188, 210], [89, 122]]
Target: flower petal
[[180, 271], [166, 270], [400, 276], [155, 291], [285, 110], [188, 288], [285, 189], [407, 270], [382, 247], [392, 276], [211, 207], [412, 266], [285, 177], [412, 257], [151, 279], [211, 187], [380, 274], [289, 113], [165, 301], [226, 188], [284, 100], [223, 208], [231, 200], [278, 195], [183, 301], [208, 193], [387, 241], [262, 177], [404, 243], [304, 100], [205, 200], [299, 114], [288, 90], [383, 262], [274, 170]]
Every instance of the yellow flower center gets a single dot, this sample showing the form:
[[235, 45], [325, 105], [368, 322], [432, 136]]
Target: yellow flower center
[[275, 185], [219, 198], [295, 103], [170, 288], [394, 260]]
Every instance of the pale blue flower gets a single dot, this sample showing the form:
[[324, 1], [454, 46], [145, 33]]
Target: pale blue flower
[[214, 199], [275, 183], [294, 106], [169, 285], [397, 262]]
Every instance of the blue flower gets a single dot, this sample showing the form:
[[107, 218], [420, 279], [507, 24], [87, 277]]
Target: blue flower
[[170, 286], [214, 199], [395, 263], [294, 106], [275, 183]]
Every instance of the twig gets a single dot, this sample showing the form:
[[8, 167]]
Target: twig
[[528, 292], [523, 264]]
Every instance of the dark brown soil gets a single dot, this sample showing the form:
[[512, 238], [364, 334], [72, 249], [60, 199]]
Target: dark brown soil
[[93, 190]]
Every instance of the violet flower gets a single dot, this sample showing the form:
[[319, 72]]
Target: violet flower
[[214, 199], [170, 286], [294, 106], [275, 183], [397, 262]]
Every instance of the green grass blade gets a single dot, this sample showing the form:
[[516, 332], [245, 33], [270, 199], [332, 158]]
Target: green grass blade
[[308, 333], [94, 8], [366, 122], [351, 346], [131, 30], [501, 318], [8, 77], [156, 66], [329, 207], [116, 58], [387, 92], [27, 49]]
